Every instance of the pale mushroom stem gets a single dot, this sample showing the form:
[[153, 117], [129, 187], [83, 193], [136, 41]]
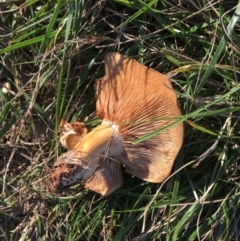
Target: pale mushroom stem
[[87, 159], [103, 140]]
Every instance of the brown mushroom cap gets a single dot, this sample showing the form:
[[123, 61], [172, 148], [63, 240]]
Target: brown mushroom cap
[[107, 178], [135, 98]]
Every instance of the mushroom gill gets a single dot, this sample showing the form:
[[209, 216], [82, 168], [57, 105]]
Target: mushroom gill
[[140, 100]]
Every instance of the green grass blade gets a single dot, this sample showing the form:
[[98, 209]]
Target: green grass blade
[[219, 49]]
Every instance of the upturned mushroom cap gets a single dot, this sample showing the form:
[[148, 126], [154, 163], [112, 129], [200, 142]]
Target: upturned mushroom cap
[[132, 101], [140, 100]]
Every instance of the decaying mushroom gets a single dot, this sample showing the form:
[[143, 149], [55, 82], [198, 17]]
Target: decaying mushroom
[[97, 173], [132, 101]]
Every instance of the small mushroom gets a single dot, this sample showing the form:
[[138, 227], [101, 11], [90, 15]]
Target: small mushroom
[[132, 101], [67, 168]]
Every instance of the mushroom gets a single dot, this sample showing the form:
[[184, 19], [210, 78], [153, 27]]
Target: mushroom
[[68, 167], [132, 101]]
